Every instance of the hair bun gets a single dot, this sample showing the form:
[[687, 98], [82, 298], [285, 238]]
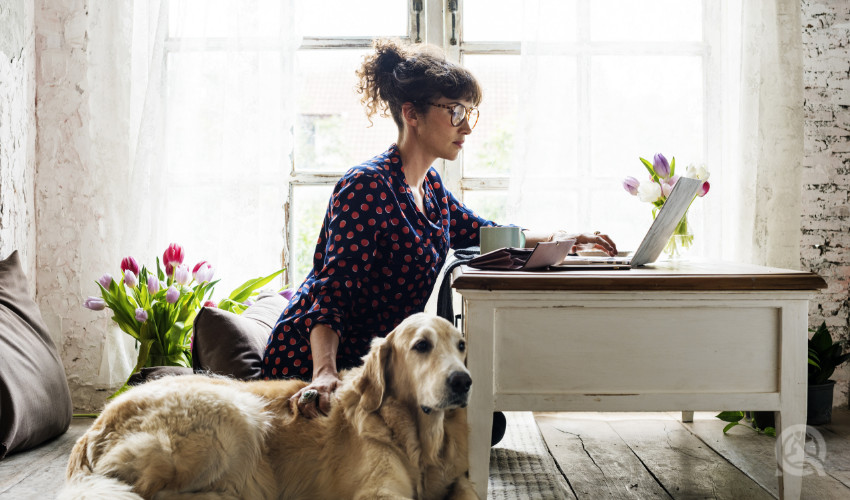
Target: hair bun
[[389, 54]]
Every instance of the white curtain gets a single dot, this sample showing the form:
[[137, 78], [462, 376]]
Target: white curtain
[[191, 115], [616, 86], [763, 208]]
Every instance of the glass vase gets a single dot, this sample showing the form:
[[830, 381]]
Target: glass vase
[[681, 241]]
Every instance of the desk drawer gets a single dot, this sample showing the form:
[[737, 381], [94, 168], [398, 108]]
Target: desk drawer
[[623, 350]]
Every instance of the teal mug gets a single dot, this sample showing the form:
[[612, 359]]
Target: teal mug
[[494, 238]]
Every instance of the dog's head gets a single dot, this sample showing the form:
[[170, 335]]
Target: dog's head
[[421, 362]]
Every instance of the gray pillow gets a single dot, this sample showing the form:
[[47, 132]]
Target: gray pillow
[[35, 403], [231, 344]]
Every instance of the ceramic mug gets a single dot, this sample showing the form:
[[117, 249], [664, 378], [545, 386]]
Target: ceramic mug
[[494, 238]]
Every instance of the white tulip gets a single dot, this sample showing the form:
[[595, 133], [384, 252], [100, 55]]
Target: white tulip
[[699, 172], [649, 192]]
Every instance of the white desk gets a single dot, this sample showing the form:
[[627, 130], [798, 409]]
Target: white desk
[[685, 336]]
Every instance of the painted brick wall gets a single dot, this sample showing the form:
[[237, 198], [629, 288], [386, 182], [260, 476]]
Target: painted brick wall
[[17, 134], [825, 246]]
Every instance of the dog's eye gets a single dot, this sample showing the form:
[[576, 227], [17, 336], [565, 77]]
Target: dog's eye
[[461, 346], [422, 346]]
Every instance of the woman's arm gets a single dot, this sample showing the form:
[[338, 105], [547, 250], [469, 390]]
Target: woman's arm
[[324, 343]]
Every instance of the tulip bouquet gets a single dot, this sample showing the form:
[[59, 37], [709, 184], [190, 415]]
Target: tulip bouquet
[[158, 308], [662, 178]]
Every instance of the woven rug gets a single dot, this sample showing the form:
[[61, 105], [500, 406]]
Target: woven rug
[[521, 466]]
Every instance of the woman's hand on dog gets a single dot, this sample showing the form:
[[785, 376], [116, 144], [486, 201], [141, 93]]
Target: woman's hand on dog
[[325, 384]]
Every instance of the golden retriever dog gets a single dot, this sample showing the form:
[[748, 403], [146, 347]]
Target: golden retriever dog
[[397, 429]]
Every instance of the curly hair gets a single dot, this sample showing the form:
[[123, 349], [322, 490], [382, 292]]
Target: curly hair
[[397, 73]]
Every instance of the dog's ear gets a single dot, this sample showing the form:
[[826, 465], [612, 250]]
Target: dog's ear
[[372, 382]]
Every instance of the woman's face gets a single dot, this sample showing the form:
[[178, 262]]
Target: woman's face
[[436, 133]]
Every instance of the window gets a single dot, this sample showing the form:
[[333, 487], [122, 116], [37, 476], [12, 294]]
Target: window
[[611, 80]]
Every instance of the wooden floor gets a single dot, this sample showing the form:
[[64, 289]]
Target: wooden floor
[[602, 455]]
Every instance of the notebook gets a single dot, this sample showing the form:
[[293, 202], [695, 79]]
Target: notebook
[[656, 237]]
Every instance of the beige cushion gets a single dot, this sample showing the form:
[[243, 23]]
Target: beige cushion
[[230, 344], [35, 403]]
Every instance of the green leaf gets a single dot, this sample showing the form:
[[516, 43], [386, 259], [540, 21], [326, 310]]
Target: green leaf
[[243, 292], [673, 167], [159, 273], [770, 431], [729, 426], [730, 416], [650, 169], [821, 340]]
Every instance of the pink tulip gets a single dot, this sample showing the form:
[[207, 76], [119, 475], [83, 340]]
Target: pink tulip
[[130, 279], [172, 295], [203, 272], [666, 189], [288, 293], [153, 284], [703, 190], [95, 304], [182, 275], [172, 256], [631, 184], [131, 264], [141, 315], [210, 303], [105, 280]]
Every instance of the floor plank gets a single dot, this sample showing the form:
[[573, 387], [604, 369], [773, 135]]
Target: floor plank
[[40, 473], [596, 461], [686, 467], [755, 455]]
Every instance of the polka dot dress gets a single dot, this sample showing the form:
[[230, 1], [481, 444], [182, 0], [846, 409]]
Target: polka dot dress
[[376, 262]]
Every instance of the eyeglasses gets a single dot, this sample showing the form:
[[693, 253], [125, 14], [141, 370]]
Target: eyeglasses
[[459, 112]]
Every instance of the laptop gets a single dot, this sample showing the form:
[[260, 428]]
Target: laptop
[[656, 238]]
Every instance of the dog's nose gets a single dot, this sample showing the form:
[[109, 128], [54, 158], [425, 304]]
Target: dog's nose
[[460, 382]]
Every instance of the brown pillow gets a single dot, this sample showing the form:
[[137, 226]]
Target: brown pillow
[[35, 403], [231, 344]]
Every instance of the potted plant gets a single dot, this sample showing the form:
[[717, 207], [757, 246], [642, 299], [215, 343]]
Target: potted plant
[[824, 356]]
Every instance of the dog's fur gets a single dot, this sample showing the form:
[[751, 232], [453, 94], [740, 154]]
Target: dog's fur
[[396, 429]]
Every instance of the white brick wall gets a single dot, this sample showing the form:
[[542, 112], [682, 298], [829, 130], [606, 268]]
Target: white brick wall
[[825, 246], [17, 134]]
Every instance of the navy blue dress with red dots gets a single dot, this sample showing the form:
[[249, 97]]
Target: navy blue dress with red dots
[[376, 262]]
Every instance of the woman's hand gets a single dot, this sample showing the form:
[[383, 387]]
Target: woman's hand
[[588, 241], [315, 398]]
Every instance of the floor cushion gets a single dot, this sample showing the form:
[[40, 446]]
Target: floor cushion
[[35, 402], [233, 344]]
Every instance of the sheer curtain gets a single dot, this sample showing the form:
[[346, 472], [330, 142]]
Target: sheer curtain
[[196, 125], [714, 83], [212, 126]]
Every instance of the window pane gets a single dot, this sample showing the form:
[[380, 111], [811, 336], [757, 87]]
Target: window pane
[[332, 132], [646, 21], [489, 149], [223, 115], [491, 20], [549, 96], [224, 18], [636, 114], [308, 209], [349, 18], [490, 204]]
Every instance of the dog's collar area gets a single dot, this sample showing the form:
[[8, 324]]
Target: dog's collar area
[[427, 410]]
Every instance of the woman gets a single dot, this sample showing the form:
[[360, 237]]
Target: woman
[[389, 224]]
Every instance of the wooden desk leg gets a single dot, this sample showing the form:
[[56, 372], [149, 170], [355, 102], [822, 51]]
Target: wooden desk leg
[[687, 416], [790, 452], [791, 417], [479, 360]]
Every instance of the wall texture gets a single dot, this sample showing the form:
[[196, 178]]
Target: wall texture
[[82, 154], [825, 246], [17, 134]]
